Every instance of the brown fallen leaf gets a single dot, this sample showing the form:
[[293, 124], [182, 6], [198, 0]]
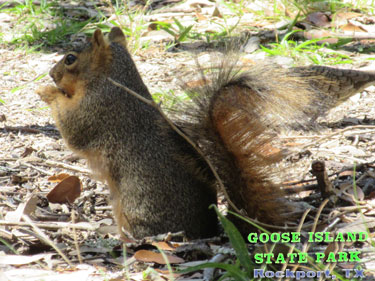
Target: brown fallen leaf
[[58, 177], [16, 179], [165, 246], [27, 152], [319, 19], [66, 191], [349, 195], [150, 256], [196, 83], [200, 17], [339, 19], [292, 144], [333, 247], [216, 13], [167, 273], [352, 27], [347, 173], [316, 34]]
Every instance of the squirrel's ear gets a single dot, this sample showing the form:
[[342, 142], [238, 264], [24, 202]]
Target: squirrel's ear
[[117, 36], [97, 38]]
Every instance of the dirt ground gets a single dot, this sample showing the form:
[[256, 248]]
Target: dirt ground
[[32, 151]]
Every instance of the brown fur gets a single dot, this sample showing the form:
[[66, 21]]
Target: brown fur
[[234, 116]]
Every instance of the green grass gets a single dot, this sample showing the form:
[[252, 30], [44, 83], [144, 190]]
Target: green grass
[[242, 268], [307, 51], [332, 6], [45, 25], [38, 26]]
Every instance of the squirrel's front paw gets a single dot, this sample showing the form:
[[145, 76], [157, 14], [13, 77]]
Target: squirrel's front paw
[[48, 93]]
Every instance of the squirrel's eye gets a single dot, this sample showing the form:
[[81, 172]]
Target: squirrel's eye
[[70, 59]]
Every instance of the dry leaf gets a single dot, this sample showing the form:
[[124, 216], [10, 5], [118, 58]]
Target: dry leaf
[[66, 191], [196, 83], [348, 173], [342, 18], [165, 246], [319, 19], [247, 61], [27, 152], [167, 273], [25, 208], [19, 260], [371, 195], [315, 34], [150, 256], [352, 27], [216, 13], [200, 17], [333, 247], [350, 196], [16, 179], [292, 144], [58, 177]]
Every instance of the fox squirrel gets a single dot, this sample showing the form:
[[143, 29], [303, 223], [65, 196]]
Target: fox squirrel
[[332, 86], [158, 182]]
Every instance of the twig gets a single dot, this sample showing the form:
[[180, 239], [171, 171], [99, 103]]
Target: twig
[[331, 225], [36, 168], [178, 131], [50, 163], [67, 167], [338, 133], [21, 129], [297, 189], [52, 225], [75, 237], [354, 159], [208, 273]]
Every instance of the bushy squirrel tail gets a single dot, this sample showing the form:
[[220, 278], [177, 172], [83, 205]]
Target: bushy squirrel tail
[[234, 116]]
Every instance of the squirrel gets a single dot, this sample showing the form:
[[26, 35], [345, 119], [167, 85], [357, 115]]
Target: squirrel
[[332, 86], [158, 181]]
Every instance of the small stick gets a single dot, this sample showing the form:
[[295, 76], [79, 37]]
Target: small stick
[[51, 225], [22, 129], [338, 133], [75, 237], [297, 189], [36, 168], [208, 273], [67, 167]]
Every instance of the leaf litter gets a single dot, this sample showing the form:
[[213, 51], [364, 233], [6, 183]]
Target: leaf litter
[[34, 161]]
